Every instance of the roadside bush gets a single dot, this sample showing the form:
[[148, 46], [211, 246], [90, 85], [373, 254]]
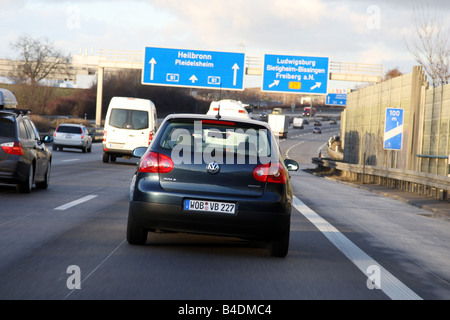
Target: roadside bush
[[79, 104], [42, 124], [48, 125]]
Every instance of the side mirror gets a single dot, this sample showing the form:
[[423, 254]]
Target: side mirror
[[291, 165], [139, 152], [47, 139]]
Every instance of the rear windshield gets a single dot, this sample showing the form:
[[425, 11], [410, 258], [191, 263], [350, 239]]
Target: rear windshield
[[69, 129], [129, 119], [7, 128], [215, 140]]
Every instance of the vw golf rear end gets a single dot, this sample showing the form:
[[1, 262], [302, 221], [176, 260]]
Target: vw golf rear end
[[212, 176]]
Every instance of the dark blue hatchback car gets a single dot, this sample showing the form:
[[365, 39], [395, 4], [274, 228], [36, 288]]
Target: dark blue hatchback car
[[212, 175]]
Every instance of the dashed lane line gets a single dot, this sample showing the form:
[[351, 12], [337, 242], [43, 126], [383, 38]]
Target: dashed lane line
[[76, 202]]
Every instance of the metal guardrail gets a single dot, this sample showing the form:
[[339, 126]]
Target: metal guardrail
[[403, 179], [96, 133], [432, 157]]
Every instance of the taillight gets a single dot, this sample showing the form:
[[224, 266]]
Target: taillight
[[150, 137], [241, 111], [104, 135], [260, 172], [14, 148], [219, 122], [153, 162], [272, 173]]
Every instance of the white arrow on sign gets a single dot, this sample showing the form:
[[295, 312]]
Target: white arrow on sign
[[275, 83], [393, 132], [317, 85], [235, 68], [152, 70], [193, 78]]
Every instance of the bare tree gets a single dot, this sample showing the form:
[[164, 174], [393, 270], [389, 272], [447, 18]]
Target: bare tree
[[37, 60], [392, 73], [430, 45]]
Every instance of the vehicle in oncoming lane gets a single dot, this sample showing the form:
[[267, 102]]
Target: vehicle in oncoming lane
[[24, 158], [213, 175], [317, 130]]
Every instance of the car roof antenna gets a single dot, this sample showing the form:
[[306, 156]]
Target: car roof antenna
[[218, 116]]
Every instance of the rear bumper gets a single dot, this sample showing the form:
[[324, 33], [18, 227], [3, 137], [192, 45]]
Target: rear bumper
[[253, 219], [70, 144], [117, 152], [13, 172]]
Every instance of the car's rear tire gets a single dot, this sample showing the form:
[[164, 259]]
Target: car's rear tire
[[26, 186], [279, 247], [135, 233], [44, 184], [105, 157]]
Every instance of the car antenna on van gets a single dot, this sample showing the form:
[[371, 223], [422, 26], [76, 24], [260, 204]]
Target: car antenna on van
[[218, 116]]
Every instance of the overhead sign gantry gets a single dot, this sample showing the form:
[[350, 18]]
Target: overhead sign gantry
[[310, 82]]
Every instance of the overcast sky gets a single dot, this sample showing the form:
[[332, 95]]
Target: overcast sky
[[361, 31]]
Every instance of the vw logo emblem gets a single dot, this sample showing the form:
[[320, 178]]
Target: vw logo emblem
[[213, 168]]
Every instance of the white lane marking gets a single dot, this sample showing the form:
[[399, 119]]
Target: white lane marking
[[390, 285], [76, 202], [70, 160], [292, 147]]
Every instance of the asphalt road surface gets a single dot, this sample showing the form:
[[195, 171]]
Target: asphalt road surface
[[68, 242]]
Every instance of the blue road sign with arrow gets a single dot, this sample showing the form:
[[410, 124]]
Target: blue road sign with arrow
[[336, 99], [193, 68], [295, 74], [393, 129]]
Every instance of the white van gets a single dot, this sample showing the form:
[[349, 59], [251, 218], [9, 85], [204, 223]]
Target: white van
[[130, 123], [7, 100], [297, 123], [228, 108]]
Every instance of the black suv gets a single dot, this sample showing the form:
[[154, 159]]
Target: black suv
[[24, 158]]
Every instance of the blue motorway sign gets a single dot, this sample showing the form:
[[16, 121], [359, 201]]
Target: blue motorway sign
[[393, 129], [193, 68], [295, 74], [336, 99]]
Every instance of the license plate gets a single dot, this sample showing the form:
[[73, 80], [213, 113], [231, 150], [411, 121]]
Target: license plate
[[209, 206], [68, 136], [116, 146]]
